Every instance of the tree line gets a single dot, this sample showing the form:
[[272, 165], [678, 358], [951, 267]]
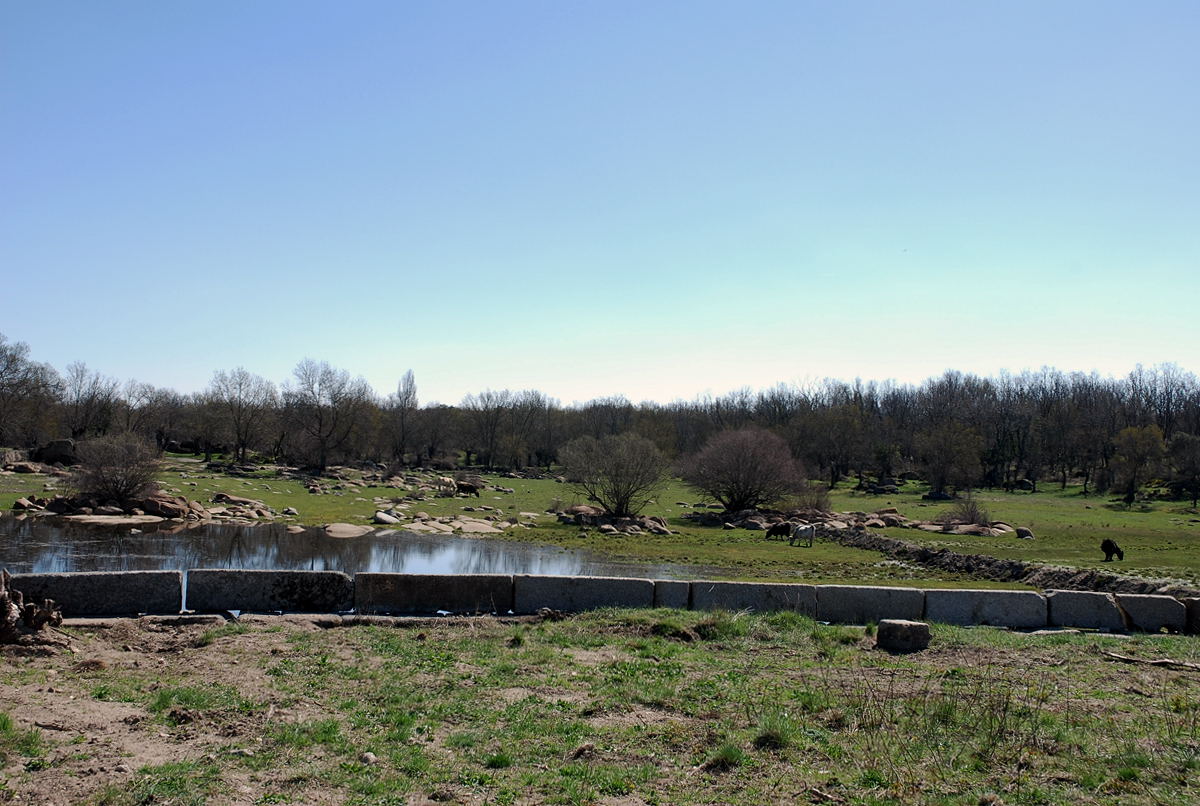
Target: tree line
[[957, 431]]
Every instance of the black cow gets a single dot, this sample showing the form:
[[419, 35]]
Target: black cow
[[781, 529], [1110, 547]]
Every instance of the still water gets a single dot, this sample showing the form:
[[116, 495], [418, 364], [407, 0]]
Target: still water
[[49, 545]]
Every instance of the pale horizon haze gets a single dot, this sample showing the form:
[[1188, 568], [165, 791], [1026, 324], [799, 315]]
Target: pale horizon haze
[[648, 199]]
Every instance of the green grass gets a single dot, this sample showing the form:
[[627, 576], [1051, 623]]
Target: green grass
[[27, 743], [663, 706], [184, 783], [1160, 539]]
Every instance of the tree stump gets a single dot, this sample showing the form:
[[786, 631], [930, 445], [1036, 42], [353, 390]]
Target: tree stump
[[18, 616]]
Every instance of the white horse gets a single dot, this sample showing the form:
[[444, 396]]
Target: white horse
[[803, 532]]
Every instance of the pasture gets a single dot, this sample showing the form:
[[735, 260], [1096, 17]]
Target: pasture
[[1161, 539], [611, 707]]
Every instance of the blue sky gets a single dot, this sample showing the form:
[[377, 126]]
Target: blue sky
[[655, 199]]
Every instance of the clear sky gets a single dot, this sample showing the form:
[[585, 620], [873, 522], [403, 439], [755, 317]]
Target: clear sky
[[655, 199]]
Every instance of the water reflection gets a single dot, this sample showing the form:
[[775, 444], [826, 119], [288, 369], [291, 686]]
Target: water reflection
[[45, 545]]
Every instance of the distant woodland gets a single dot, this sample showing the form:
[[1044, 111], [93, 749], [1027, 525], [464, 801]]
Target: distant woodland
[[957, 431]]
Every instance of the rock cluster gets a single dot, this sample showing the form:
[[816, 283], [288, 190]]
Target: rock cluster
[[160, 505], [884, 518], [585, 515]]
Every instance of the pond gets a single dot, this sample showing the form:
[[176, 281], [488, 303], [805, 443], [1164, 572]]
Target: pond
[[51, 545]]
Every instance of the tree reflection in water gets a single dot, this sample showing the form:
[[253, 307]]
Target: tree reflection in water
[[49, 545]]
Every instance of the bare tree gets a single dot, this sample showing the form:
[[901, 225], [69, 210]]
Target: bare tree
[[485, 413], [325, 404], [245, 401], [1185, 464], [621, 473], [1139, 452], [743, 469], [133, 405], [401, 411], [26, 390], [89, 399], [950, 454]]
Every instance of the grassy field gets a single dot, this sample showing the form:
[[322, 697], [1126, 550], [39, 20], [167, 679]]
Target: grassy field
[[613, 707], [1161, 540]]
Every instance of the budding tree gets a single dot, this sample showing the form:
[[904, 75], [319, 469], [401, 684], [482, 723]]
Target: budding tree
[[621, 473]]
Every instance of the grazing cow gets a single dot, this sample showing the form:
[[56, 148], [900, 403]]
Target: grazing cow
[[467, 488], [1110, 547], [803, 533], [780, 530], [445, 484]]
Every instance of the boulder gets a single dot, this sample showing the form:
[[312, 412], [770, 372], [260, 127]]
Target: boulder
[[383, 517], [226, 498], [1024, 533], [24, 504], [291, 511], [346, 530], [26, 467], [166, 507], [901, 635], [59, 451]]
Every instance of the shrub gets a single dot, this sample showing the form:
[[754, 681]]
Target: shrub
[[743, 469], [813, 496], [118, 468], [967, 510]]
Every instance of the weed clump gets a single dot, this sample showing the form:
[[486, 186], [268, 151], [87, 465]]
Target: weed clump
[[727, 756]]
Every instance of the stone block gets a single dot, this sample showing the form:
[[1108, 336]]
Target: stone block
[[1087, 609], [1193, 614], [1153, 613], [902, 635], [573, 594], [757, 596], [106, 593], [403, 594], [1020, 610], [859, 604], [672, 593], [210, 589]]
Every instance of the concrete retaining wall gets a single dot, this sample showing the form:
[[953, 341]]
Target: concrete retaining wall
[[757, 596], [853, 604], [1017, 609], [120, 593], [1153, 613], [1097, 611], [401, 594], [1193, 617], [672, 593], [106, 593], [265, 591], [573, 594]]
